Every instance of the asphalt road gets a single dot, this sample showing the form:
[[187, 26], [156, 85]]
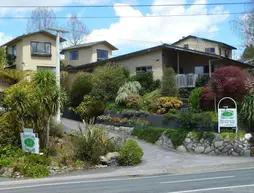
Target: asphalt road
[[237, 181]]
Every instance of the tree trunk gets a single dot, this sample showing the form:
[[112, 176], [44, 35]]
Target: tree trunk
[[47, 134]]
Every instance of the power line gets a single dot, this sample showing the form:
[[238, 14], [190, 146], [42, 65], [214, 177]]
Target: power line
[[127, 5], [130, 16]]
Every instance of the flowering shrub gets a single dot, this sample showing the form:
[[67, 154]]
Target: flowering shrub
[[132, 101], [163, 104]]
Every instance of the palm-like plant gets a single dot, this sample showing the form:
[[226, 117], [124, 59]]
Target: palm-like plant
[[129, 88], [247, 109]]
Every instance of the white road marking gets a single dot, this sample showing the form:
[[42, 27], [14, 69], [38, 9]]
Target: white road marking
[[211, 189], [197, 180]]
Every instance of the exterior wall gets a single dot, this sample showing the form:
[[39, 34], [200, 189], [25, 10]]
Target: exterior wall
[[24, 59], [200, 45], [86, 55], [153, 59], [31, 62]]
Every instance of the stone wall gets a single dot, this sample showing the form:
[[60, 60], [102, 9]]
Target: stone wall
[[215, 146]]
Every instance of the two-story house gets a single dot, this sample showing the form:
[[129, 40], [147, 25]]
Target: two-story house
[[205, 45], [87, 53], [33, 51]]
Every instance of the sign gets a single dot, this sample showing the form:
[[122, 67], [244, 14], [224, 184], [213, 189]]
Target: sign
[[29, 141], [227, 117]]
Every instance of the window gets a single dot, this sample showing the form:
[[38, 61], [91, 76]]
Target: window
[[220, 51], [102, 54], [210, 50], [186, 46], [227, 53], [41, 48], [74, 55], [46, 68], [199, 69], [13, 51], [144, 69]]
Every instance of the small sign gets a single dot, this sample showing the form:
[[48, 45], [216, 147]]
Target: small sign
[[227, 117], [30, 141]]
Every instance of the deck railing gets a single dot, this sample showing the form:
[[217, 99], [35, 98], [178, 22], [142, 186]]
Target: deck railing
[[186, 80]]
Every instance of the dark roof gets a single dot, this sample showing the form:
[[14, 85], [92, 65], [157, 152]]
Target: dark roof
[[30, 34], [152, 49], [85, 45], [213, 41]]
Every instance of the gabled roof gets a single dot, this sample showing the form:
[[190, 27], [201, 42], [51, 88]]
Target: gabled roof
[[204, 39], [30, 34], [90, 44], [152, 49]]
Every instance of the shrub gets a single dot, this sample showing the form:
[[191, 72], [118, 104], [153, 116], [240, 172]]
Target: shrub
[[229, 81], [113, 107], [202, 81], [168, 84], [82, 85], [177, 136], [130, 154], [56, 129], [150, 135], [92, 144], [207, 99], [146, 81], [35, 171], [184, 92], [128, 94], [107, 81], [194, 98], [163, 104], [148, 99], [247, 110], [90, 108], [206, 135]]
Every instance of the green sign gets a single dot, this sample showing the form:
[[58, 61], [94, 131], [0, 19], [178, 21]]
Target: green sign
[[29, 142]]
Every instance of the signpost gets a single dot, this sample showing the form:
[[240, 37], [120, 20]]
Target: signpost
[[227, 117], [29, 141]]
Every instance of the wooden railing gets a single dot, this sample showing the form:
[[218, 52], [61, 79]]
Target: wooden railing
[[186, 80]]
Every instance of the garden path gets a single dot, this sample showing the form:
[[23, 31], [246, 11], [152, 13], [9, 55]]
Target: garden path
[[158, 160]]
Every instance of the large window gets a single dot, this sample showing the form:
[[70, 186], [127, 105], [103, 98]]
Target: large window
[[210, 50], [102, 54], [74, 55], [13, 51], [144, 69], [41, 48]]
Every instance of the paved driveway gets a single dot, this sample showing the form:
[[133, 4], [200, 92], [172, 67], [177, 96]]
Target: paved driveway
[[158, 160]]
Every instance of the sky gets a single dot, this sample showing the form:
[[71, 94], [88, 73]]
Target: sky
[[134, 33]]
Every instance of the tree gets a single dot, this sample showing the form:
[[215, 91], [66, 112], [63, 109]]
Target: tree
[[41, 18], [248, 54], [3, 59], [77, 30], [168, 83]]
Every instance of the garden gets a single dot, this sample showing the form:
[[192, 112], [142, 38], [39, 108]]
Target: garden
[[159, 112]]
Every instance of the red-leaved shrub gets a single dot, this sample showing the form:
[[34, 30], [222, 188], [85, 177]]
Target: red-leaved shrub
[[207, 98], [229, 81]]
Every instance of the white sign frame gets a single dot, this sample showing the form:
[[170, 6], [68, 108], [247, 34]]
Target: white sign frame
[[229, 123]]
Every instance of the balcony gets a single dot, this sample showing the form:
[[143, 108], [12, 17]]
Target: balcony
[[187, 80]]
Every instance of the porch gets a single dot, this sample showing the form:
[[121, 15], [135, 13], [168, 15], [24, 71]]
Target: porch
[[188, 80]]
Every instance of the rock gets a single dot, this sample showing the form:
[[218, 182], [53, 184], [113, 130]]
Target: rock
[[181, 148], [7, 172], [199, 149], [110, 159], [165, 142], [101, 166], [218, 144], [246, 153], [187, 140], [208, 150]]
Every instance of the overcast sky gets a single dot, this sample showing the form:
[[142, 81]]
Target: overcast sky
[[130, 34]]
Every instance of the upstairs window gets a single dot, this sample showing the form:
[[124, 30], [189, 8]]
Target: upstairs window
[[144, 69], [40, 49], [210, 50], [186, 46], [102, 54], [13, 51], [74, 55]]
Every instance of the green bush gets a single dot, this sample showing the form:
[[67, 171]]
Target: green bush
[[247, 111], [107, 80], [130, 153], [82, 85], [150, 135], [30, 170], [56, 129], [92, 144], [195, 98], [168, 83], [207, 135], [202, 81], [148, 99], [184, 92], [177, 136], [113, 107], [146, 81], [90, 108]]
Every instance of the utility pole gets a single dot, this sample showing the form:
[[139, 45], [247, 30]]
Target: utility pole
[[58, 33]]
